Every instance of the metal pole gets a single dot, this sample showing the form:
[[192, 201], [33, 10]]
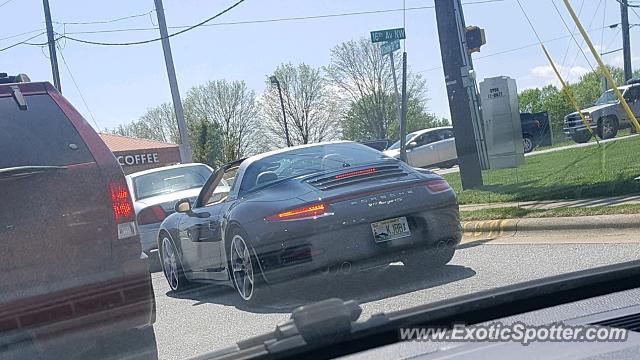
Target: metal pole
[[284, 115], [626, 45], [403, 112], [52, 46], [460, 90], [185, 149], [395, 86]]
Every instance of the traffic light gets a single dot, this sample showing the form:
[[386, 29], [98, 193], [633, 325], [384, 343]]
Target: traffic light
[[475, 38]]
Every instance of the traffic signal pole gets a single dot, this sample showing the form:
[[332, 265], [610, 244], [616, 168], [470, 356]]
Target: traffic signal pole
[[461, 90], [185, 149]]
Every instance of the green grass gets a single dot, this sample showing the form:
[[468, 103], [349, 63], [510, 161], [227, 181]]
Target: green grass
[[588, 172], [562, 140], [515, 212]]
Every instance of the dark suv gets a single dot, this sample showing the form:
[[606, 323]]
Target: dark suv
[[73, 279]]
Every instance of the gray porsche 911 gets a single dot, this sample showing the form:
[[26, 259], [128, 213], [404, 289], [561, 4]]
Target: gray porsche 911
[[338, 206]]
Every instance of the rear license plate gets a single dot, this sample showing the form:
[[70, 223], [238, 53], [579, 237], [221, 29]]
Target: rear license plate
[[390, 229]]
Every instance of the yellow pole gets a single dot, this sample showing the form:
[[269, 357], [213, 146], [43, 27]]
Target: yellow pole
[[602, 67], [568, 92]]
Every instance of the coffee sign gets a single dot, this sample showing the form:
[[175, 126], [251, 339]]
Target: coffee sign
[[138, 159]]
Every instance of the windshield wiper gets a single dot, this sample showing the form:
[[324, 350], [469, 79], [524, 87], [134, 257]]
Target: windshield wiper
[[332, 324], [28, 170]]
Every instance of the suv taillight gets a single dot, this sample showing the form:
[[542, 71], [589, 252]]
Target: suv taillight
[[151, 215], [122, 210]]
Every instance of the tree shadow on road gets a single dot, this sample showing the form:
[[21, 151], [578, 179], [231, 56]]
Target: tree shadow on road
[[363, 287]]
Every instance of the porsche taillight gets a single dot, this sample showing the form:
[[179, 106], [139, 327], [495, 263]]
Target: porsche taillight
[[436, 186], [305, 212]]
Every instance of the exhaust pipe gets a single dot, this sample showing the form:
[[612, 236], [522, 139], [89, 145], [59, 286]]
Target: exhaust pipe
[[451, 243], [345, 267], [441, 245]]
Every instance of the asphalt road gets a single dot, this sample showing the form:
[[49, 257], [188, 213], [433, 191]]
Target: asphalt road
[[206, 318]]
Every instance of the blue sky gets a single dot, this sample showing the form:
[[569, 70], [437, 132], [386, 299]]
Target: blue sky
[[120, 83]]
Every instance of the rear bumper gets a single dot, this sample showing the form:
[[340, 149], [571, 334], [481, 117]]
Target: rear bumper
[[149, 236], [282, 260], [122, 302]]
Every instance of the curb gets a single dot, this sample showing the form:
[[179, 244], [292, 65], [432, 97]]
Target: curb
[[499, 227]]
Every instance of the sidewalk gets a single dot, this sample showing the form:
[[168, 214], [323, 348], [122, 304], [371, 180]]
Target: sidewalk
[[554, 204]]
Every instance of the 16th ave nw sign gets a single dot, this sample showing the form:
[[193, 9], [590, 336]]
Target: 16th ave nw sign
[[387, 35]]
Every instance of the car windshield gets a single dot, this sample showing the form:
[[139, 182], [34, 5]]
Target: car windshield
[[408, 139], [306, 160], [607, 97], [179, 176], [169, 180]]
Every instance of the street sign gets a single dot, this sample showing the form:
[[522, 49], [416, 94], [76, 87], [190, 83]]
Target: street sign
[[387, 35], [389, 47]]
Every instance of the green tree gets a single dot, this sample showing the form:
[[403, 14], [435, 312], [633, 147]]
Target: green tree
[[356, 126], [206, 144]]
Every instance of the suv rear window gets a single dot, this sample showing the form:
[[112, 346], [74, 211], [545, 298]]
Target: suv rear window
[[40, 135]]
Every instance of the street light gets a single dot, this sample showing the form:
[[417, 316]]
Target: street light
[[274, 81]]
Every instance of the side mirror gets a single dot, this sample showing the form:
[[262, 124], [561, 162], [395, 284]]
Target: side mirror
[[411, 145], [183, 206]]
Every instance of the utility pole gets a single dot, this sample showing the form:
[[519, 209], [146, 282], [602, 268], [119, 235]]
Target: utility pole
[[403, 112], [461, 91], [626, 45], [185, 149], [52, 45], [276, 82]]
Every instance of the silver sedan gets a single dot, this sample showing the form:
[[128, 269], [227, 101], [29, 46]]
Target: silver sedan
[[154, 193]]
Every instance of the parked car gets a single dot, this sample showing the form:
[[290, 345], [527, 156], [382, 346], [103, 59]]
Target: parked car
[[433, 147], [381, 144], [606, 116], [328, 206], [71, 265], [155, 191]]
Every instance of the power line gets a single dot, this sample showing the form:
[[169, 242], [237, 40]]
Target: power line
[[5, 3], [529, 21], [566, 52], [573, 37], [575, 58], [261, 21], [155, 39], [21, 42], [515, 49], [73, 79], [23, 33], [109, 21]]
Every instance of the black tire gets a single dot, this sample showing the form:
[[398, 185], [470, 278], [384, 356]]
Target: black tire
[[581, 137], [171, 264], [138, 344], [430, 259], [529, 143], [608, 128], [244, 270]]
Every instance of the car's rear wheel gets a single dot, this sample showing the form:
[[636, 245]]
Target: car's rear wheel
[[528, 143], [608, 128], [581, 137], [244, 269], [431, 258], [171, 266]]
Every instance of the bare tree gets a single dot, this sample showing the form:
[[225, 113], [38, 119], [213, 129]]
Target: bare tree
[[231, 106], [311, 109], [158, 123], [365, 78]]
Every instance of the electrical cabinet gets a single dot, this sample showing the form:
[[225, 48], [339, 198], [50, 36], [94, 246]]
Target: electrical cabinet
[[501, 119]]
